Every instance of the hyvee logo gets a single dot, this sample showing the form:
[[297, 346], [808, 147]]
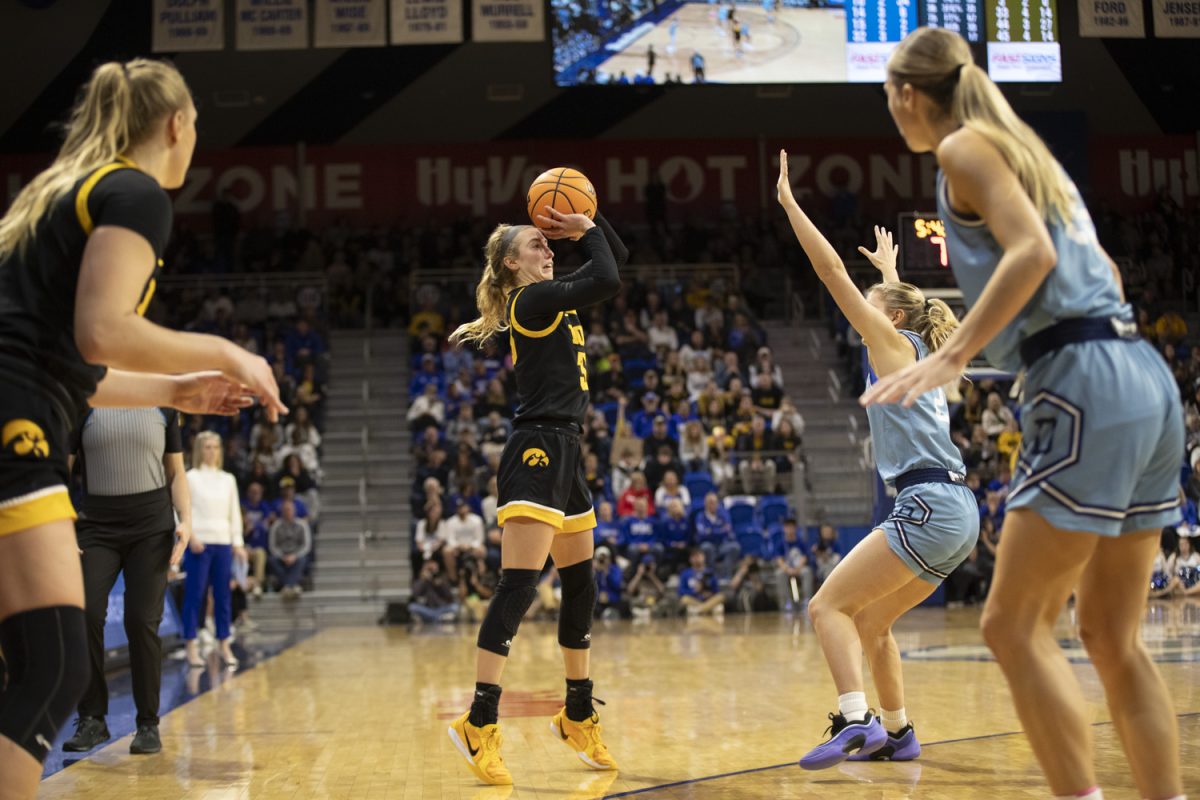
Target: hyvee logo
[[535, 457]]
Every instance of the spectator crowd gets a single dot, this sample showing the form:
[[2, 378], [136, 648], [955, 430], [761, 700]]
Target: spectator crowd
[[691, 449]]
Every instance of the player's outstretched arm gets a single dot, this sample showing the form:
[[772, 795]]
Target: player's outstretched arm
[[596, 281], [890, 350]]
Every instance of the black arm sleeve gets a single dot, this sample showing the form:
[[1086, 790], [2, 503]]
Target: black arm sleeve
[[174, 437], [620, 251], [594, 282], [129, 198]]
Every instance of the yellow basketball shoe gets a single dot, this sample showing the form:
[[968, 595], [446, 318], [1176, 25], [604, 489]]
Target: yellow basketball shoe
[[584, 739], [481, 748]]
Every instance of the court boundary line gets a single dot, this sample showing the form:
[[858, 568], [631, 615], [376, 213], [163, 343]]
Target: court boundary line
[[303, 635], [796, 763]]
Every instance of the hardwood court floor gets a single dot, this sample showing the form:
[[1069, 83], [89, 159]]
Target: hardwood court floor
[[696, 709]]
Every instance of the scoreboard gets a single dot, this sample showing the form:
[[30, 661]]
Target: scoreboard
[[873, 29], [964, 17], [922, 242], [1022, 41]]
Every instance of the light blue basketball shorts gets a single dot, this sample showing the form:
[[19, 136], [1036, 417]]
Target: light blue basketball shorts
[[933, 528], [1102, 439]]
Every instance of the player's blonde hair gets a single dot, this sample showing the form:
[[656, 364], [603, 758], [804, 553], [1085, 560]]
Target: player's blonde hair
[[929, 318], [938, 62], [198, 449], [118, 109], [491, 295]]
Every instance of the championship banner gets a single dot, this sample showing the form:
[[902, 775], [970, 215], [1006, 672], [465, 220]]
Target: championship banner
[[507, 21], [187, 25], [1112, 19], [272, 24], [349, 23], [427, 21], [1177, 19]]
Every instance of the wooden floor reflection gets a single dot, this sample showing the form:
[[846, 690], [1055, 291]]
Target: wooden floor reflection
[[695, 709]]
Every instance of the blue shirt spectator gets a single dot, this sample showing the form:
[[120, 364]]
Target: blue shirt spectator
[[698, 582], [427, 374], [637, 530], [673, 529], [256, 511], [303, 341], [607, 532], [789, 547], [287, 494], [712, 522], [829, 536], [608, 580], [643, 421]]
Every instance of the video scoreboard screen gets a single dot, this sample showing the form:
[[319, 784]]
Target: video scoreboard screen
[[873, 29], [964, 17], [637, 42], [1022, 42]]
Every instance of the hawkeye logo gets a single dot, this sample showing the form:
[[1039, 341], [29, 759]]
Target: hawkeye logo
[[25, 438], [533, 457]]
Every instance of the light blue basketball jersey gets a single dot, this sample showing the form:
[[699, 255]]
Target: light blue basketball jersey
[[912, 438], [1080, 285]]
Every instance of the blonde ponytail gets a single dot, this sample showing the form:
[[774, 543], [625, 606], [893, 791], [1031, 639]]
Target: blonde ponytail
[[491, 295], [118, 109], [939, 63], [936, 325], [931, 319]]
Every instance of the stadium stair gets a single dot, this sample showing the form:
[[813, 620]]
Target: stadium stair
[[835, 426], [362, 546]]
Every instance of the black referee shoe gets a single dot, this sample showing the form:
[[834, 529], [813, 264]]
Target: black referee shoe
[[89, 732], [146, 741]]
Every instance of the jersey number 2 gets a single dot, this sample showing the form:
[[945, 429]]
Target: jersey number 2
[[582, 361]]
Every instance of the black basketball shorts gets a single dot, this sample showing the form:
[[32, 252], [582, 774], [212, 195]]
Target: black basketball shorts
[[541, 477], [33, 460]]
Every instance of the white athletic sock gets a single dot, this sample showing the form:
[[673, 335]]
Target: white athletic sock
[[1178, 797], [853, 706], [894, 721], [1091, 794]]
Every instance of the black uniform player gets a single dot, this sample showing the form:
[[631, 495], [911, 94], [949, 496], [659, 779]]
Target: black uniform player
[[544, 503], [80, 247]]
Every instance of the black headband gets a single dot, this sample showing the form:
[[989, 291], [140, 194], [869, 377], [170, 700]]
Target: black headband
[[506, 238]]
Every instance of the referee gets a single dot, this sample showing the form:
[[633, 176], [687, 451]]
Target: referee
[[134, 483]]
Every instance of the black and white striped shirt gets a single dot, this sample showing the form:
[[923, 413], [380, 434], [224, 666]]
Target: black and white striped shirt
[[122, 449]]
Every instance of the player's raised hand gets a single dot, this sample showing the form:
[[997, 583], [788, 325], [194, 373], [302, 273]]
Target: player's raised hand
[[556, 225], [884, 257], [783, 187]]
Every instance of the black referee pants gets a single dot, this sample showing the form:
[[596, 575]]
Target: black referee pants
[[145, 560]]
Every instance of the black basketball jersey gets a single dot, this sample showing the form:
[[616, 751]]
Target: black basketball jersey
[[551, 366], [38, 283], [546, 336]]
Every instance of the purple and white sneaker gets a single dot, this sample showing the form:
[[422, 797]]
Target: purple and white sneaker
[[845, 738], [903, 746]]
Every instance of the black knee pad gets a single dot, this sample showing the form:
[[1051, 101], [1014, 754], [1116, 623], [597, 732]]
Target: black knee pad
[[578, 605], [514, 595], [46, 651]]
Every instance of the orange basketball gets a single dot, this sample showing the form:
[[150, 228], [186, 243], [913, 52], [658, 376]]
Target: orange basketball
[[566, 190]]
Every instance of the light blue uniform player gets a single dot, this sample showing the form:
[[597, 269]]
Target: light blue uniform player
[[935, 522], [1087, 463], [1102, 428], [932, 529]]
